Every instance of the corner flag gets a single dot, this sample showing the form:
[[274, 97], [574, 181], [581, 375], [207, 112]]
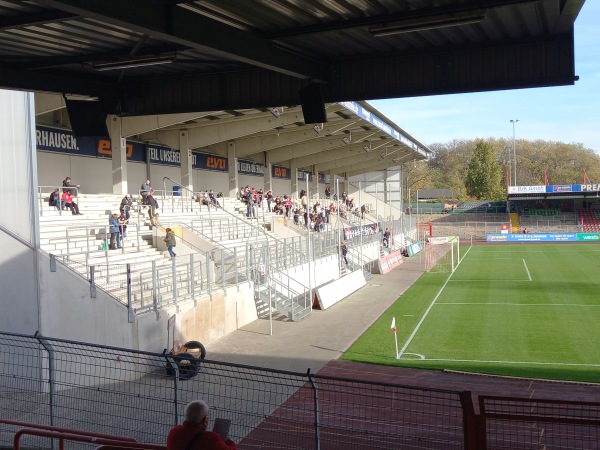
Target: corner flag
[[395, 335]]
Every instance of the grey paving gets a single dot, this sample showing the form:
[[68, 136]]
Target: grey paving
[[321, 337]]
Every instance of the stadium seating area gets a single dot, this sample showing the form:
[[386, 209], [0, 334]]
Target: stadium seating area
[[589, 219]]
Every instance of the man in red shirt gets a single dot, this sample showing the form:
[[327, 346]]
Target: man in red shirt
[[192, 435]]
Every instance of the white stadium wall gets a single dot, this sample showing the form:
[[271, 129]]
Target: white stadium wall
[[19, 233]]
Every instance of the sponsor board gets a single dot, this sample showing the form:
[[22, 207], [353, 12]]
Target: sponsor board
[[543, 237], [365, 230], [387, 263]]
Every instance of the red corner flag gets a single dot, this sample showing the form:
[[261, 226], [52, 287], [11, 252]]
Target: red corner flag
[[394, 324]]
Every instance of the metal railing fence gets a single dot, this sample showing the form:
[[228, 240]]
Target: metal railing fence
[[42, 199], [146, 286], [130, 393], [118, 391]]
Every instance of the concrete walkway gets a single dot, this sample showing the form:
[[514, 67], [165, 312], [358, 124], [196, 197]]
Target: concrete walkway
[[325, 335]]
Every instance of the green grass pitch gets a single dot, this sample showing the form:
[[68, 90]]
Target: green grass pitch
[[524, 310]]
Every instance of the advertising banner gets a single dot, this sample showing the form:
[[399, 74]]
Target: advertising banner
[[543, 237], [367, 115], [554, 188], [302, 175], [246, 167], [388, 262], [64, 141], [281, 172], [205, 161], [365, 230]]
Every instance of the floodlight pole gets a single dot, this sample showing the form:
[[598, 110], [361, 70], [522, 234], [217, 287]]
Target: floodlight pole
[[514, 121]]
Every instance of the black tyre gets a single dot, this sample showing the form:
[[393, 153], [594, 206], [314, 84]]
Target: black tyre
[[195, 345], [188, 365]]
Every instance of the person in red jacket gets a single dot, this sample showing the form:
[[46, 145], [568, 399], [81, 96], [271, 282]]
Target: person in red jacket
[[192, 434], [70, 203]]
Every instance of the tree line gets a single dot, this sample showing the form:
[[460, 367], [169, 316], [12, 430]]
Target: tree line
[[478, 169]]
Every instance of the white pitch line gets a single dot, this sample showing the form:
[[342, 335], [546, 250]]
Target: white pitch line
[[501, 280], [537, 363], [527, 269], [427, 311], [519, 304]]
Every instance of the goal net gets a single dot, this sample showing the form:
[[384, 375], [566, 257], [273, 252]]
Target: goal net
[[442, 254]]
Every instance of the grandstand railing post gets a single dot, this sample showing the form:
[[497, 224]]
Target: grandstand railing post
[[174, 279], [92, 281], [192, 278], [154, 286], [51, 382], [473, 424], [222, 270], [316, 409], [235, 266], [130, 312]]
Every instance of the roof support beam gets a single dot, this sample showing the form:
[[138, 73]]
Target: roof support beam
[[182, 26]]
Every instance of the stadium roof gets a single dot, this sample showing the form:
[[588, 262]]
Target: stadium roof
[[144, 57], [234, 63]]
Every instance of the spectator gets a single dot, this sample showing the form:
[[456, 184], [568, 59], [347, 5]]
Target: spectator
[[269, 196], [327, 192], [69, 202], [192, 434], [171, 242], [72, 188], [249, 197], [386, 238], [123, 221], [155, 222], [213, 199], [144, 189], [304, 200], [296, 216], [525, 231], [113, 224], [151, 202], [55, 200], [125, 206], [344, 251], [287, 202], [363, 210]]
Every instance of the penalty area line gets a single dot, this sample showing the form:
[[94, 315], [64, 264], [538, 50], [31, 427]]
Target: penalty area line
[[527, 269], [411, 337], [533, 363]]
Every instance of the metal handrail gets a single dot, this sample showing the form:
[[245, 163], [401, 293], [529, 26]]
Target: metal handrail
[[60, 192], [65, 430], [81, 438]]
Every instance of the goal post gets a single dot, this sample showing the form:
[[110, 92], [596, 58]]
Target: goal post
[[442, 254]]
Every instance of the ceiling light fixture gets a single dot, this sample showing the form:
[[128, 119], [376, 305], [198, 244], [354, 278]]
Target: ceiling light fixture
[[134, 62], [428, 23], [318, 128], [277, 112], [346, 140], [367, 148]]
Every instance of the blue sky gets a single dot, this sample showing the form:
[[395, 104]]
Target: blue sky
[[566, 114]]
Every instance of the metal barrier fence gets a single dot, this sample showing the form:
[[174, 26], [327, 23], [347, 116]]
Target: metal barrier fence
[[118, 391]]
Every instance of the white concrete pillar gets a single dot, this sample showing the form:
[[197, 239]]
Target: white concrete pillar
[[119, 155], [294, 173], [268, 183], [315, 183], [187, 176], [233, 174]]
